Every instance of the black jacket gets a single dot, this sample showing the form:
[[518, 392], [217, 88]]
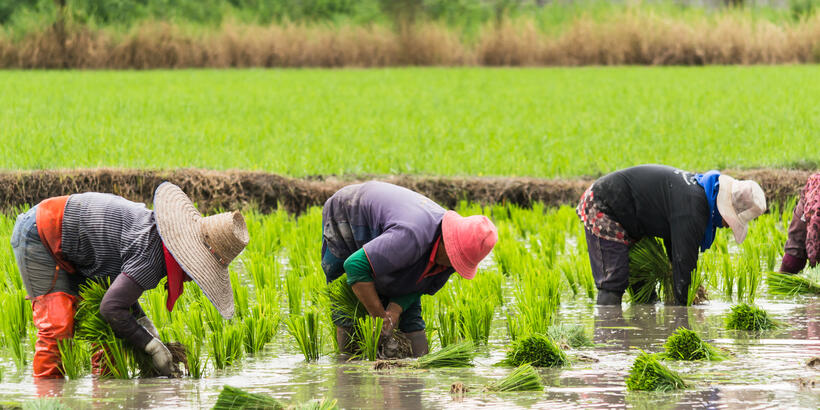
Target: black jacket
[[659, 201]]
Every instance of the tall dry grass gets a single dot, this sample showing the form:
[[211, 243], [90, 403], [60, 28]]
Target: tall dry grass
[[627, 38]]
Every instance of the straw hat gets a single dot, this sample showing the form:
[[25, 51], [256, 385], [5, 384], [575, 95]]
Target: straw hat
[[738, 203], [203, 246]]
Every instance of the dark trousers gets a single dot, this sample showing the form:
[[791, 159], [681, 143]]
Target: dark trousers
[[610, 263]]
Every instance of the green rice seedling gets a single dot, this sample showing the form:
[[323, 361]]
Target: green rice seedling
[[649, 272], [234, 398], [685, 344], [790, 285], [748, 273], [240, 296], [212, 317], [293, 283], [649, 374], [727, 273], [748, 317], [449, 329], [368, 330], [476, 320], [260, 327], [574, 336], [193, 346], [523, 378], [455, 355], [538, 350], [154, 305], [227, 345], [75, 360], [306, 329], [14, 314], [536, 299], [45, 403], [323, 404]]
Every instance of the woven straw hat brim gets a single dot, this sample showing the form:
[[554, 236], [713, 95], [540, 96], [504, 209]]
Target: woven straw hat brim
[[727, 209], [178, 223]]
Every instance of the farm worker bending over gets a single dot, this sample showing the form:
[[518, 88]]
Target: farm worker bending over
[[395, 244], [803, 243], [682, 208], [65, 240]]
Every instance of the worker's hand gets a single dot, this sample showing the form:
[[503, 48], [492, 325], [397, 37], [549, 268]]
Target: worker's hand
[[148, 325], [391, 318], [161, 356]]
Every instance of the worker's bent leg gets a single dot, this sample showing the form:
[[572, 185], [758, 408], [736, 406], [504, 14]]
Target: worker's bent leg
[[54, 317], [610, 268], [52, 292], [412, 325], [343, 339]]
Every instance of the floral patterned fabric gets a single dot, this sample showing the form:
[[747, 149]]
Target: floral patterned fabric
[[811, 216], [599, 223]]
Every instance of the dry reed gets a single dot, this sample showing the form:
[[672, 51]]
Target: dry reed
[[634, 38]]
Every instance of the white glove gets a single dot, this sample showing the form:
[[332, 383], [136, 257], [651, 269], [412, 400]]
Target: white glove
[[148, 325], [161, 356]]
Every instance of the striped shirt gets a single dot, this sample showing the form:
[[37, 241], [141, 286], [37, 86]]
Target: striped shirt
[[105, 235]]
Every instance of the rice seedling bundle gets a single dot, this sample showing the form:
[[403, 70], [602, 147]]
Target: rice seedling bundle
[[749, 317], [523, 378], [75, 359], [790, 285], [455, 355], [306, 329], [260, 327], [234, 398], [649, 374], [240, 296], [293, 283], [344, 301], [574, 336], [537, 350], [368, 330], [685, 344], [649, 272]]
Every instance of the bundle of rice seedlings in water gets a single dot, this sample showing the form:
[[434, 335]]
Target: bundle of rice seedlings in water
[[649, 268], [523, 378], [574, 336], [685, 344], [538, 350], [790, 285], [649, 374], [120, 360], [748, 317], [233, 398], [455, 355]]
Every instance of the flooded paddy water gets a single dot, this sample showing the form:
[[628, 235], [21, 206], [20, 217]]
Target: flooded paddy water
[[767, 370]]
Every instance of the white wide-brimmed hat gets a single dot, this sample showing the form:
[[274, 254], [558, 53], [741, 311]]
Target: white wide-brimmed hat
[[738, 203], [203, 246]]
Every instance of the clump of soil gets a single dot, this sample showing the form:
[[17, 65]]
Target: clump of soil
[[459, 388], [701, 296], [814, 363], [178, 354], [389, 364]]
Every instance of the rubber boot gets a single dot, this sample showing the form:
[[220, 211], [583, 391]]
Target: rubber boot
[[606, 297], [418, 342], [53, 316]]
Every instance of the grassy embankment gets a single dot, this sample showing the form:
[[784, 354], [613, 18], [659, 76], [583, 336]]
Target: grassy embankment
[[519, 122]]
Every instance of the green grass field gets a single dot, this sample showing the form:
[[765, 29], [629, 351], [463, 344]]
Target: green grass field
[[513, 122]]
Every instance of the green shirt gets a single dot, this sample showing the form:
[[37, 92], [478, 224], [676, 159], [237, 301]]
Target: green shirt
[[358, 269]]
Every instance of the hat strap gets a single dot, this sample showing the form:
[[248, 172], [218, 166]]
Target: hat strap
[[222, 261]]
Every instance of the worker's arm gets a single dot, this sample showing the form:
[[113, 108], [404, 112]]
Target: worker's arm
[[116, 306], [360, 278], [682, 247]]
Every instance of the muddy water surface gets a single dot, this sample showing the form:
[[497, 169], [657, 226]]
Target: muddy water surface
[[768, 370]]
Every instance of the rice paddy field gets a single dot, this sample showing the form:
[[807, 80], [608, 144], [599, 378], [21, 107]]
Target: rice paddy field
[[553, 122], [536, 281]]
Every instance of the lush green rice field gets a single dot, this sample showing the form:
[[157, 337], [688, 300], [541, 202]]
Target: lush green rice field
[[516, 122]]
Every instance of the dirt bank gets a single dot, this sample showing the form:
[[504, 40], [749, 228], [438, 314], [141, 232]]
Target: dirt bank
[[215, 190]]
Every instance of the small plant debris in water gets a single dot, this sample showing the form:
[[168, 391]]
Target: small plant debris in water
[[649, 374], [790, 285], [538, 350], [233, 398], [685, 344], [523, 378], [748, 317], [459, 388]]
